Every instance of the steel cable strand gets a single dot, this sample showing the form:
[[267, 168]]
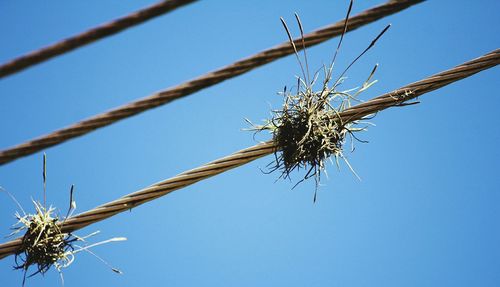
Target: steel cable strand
[[413, 90], [199, 83], [35, 57], [239, 158], [154, 191]]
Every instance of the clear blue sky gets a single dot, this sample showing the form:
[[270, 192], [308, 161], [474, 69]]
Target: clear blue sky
[[425, 214]]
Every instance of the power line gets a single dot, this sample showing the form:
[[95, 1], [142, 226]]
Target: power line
[[199, 83], [239, 158], [87, 37]]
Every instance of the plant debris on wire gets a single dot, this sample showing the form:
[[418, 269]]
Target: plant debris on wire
[[44, 244], [307, 130]]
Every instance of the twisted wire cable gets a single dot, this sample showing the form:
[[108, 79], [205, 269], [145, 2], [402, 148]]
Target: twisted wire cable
[[395, 98], [199, 83], [413, 90], [87, 37]]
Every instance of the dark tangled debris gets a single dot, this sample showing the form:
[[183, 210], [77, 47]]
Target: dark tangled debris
[[307, 132], [44, 244], [308, 129]]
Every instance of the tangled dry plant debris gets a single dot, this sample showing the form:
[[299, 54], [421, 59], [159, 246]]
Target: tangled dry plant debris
[[44, 244], [307, 130]]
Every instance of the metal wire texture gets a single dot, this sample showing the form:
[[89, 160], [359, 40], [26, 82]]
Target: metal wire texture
[[394, 98], [87, 37], [199, 83]]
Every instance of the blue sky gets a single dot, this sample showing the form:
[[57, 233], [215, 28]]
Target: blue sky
[[425, 213]]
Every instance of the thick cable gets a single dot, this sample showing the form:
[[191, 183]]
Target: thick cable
[[395, 98]]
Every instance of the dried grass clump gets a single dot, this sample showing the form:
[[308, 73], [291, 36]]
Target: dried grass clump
[[308, 131], [43, 244]]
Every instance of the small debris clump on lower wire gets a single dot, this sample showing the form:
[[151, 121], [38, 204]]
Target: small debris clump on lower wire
[[43, 244]]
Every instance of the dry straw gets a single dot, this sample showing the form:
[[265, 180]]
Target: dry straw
[[307, 130], [44, 243]]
